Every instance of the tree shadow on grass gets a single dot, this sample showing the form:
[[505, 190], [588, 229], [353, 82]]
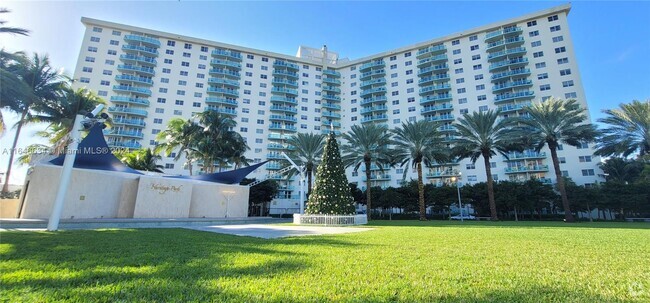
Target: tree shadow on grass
[[509, 224]]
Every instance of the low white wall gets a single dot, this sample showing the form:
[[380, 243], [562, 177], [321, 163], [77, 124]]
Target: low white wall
[[102, 194]]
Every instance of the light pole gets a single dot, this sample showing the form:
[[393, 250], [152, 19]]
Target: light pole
[[460, 206]]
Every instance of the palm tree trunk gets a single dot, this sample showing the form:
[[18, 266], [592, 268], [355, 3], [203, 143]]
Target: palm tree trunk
[[368, 202], [568, 216], [5, 187], [490, 187], [423, 215], [309, 179]]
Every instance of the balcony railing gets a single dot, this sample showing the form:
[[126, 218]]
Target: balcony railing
[[227, 53], [140, 59], [434, 98], [434, 88], [225, 72], [431, 60], [373, 100], [514, 96], [134, 79], [124, 99], [223, 81], [138, 69], [440, 107], [138, 48], [222, 110], [128, 110], [134, 145], [525, 155], [225, 63], [278, 63], [431, 50], [220, 100], [526, 169], [366, 110], [512, 73], [376, 63], [145, 40], [284, 109], [132, 89]]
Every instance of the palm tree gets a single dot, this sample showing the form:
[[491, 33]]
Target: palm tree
[[553, 122], [143, 159], [180, 134], [366, 144], [11, 30], [482, 134], [628, 130], [43, 84], [218, 142], [12, 88], [307, 152], [416, 143], [60, 114]]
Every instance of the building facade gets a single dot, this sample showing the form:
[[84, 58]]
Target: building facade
[[149, 77]]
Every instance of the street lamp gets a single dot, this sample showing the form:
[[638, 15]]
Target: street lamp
[[460, 206]]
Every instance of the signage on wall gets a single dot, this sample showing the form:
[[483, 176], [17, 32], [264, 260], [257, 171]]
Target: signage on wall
[[162, 189]]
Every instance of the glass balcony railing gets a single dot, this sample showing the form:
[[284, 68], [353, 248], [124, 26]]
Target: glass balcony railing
[[221, 62], [131, 100], [509, 52], [284, 99], [134, 79], [283, 118], [225, 72], [431, 69], [434, 49], [331, 123], [279, 137], [279, 146], [379, 99], [128, 48], [143, 39], [434, 78], [511, 85], [138, 59], [377, 178], [331, 80], [289, 128], [225, 91], [525, 155], [222, 110], [520, 72], [287, 82], [431, 60], [285, 64], [377, 90], [331, 89], [330, 114], [124, 133], [447, 117], [220, 100], [227, 54], [284, 109], [366, 110], [508, 63], [374, 118], [526, 169], [439, 107], [425, 90], [514, 96], [370, 74], [331, 98], [331, 73], [134, 145], [372, 64], [283, 90], [132, 89], [331, 106], [128, 110], [284, 73], [435, 98], [513, 107], [129, 122], [148, 71], [223, 81], [380, 81]]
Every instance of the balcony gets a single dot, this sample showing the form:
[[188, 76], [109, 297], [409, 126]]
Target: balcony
[[435, 98], [380, 99], [526, 169], [327, 131], [377, 178], [440, 107], [279, 146], [525, 155], [284, 73], [284, 99], [218, 90], [377, 90], [225, 72], [219, 100], [441, 174], [331, 81], [223, 81], [329, 97], [134, 79], [273, 166], [491, 36], [131, 100], [446, 127], [284, 109], [516, 62], [514, 96], [381, 81], [283, 118], [142, 39], [277, 156], [518, 51], [331, 73], [134, 145], [132, 89], [498, 45], [227, 54], [279, 137], [375, 73], [147, 71], [284, 64], [521, 72], [139, 59], [287, 82], [434, 59], [222, 110], [372, 64], [330, 106], [128, 48], [282, 90], [367, 110], [447, 117], [431, 69], [426, 90], [329, 114], [511, 85], [289, 128], [220, 62], [331, 123], [124, 133], [437, 164], [331, 89], [128, 110], [434, 78], [374, 167], [431, 50], [513, 107], [375, 118], [129, 122]]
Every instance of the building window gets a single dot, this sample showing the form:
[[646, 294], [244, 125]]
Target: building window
[[558, 39], [97, 29], [461, 90], [538, 54], [478, 77], [540, 65], [552, 18], [588, 172], [462, 100], [555, 28], [188, 46], [544, 87], [480, 87], [531, 23], [92, 49], [536, 43], [542, 76], [87, 69], [455, 42], [460, 80], [565, 72], [477, 66], [458, 61], [483, 108], [84, 80], [562, 61], [560, 50], [456, 51], [171, 43], [567, 83], [474, 47], [533, 34], [571, 95], [476, 57], [584, 158], [470, 166], [166, 71], [473, 37]]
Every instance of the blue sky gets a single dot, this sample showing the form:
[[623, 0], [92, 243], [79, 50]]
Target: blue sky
[[611, 39]]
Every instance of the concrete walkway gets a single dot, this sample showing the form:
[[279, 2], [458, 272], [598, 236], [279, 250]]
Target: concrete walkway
[[277, 231]]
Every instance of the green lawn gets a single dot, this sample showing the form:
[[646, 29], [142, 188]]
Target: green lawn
[[401, 261]]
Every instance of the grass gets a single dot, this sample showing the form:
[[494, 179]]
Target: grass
[[403, 261]]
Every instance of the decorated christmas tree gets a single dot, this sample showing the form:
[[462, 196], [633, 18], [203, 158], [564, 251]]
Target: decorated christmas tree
[[331, 193]]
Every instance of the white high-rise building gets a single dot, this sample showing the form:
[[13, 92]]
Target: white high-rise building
[[150, 77]]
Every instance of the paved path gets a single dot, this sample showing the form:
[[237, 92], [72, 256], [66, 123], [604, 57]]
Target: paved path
[[277, 231]]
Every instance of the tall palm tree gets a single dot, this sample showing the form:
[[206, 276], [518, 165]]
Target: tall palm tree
[[366, 144], [418, 143], [11, 30], [483, 134], [143, 159], [180, 135], [43, 84], [307, 152], [628, 130], [60, 113], [553, 122], [218, 142]]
